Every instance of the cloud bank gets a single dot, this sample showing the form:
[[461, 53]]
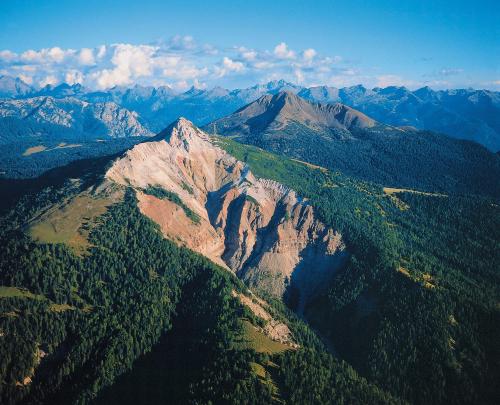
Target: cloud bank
[[181, 62]]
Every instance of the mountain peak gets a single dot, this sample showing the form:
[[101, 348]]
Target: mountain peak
[[13, 87], [182, 133], [276, 112]]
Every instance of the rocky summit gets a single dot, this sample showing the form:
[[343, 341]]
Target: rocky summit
[[257, 228]]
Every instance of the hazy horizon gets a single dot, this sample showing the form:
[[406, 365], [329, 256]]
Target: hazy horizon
[[101, 44]]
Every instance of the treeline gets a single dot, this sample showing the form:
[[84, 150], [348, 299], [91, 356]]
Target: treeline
[[391, 157], [84, 321], [414, 310], [14, 164]]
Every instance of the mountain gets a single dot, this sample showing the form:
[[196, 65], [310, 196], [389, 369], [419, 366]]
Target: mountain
[[391, 311], [259, 229], [41, 133], [464, 114], [66, 117], [338, 137], [275, 86], [61, 91], [11, 87], [321, 94], [113, 274], [121, 280], [275, 113]]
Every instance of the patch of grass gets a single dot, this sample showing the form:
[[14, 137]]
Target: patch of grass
[[61, 307], [265, 377], [391, 190], [258, 370], [63, 145], [15, 292], [70, 223], [323, 169], [253, 338]]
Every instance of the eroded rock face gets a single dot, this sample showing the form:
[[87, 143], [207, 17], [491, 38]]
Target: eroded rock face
[[257, 228]]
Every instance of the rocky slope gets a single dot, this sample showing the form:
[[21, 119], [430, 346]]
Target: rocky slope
[[463, 113], [276, 112], [338, 137], [259, 229], [68, 117]]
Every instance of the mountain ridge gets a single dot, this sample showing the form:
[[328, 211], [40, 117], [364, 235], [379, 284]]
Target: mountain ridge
[[460, 113], [259, 229], [340, 138]]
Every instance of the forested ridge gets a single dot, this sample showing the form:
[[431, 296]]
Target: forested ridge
[[71, 324], [416, 308], [412, 318], [387, 155]]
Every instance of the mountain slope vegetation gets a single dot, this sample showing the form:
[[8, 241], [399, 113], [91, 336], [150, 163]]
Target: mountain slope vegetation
[[416, 307], [410, 317], [339, 138], [83, 318]]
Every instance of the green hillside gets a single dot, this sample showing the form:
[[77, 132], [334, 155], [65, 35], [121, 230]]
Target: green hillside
[[71, 324], [416, 309], [133, 318]]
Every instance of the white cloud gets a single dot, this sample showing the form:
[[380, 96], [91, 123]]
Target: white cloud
[[299, 76], [30, 56], [57, 54], [263, 65], [281, 51], [101, 52], [180, 43], [50, 79], [107, 78], [167, 61], [185, 72], [309, 54], [47, 55], [7, 55], [74, 76], [130, 61], [182, 62], [86, 56], [247, 54], [134, 59], [450, 72], [231, 65]]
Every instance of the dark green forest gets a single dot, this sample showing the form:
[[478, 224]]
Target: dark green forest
[[413, 317], [81, 321], [416, 308], [390, 156], [16, 162]]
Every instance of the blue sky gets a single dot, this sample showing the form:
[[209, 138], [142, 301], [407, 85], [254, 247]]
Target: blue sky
[[443, 44]]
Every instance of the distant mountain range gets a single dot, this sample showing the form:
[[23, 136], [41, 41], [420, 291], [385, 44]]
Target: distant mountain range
[[465, 114], [66, 118], [338, 137]]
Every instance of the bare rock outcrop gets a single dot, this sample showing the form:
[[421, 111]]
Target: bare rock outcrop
[[257, 228]]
